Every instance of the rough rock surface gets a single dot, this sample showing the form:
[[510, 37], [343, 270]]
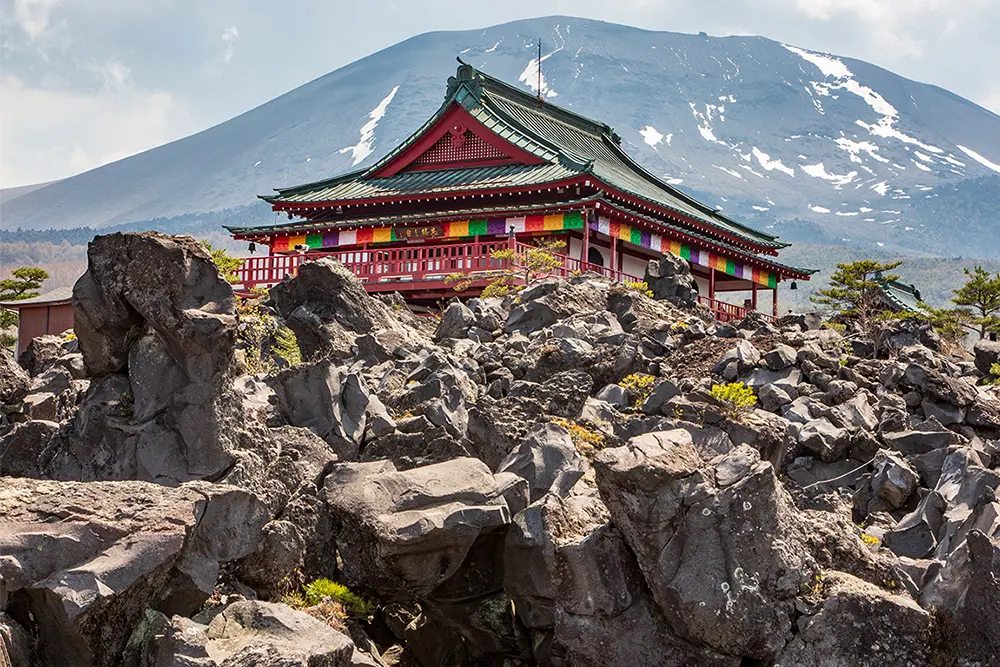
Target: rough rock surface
[[545, 480], [83, 561]]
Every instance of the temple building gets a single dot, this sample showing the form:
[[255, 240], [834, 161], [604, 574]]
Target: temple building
[[497, 167]]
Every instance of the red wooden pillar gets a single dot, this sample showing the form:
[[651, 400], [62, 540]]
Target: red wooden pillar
[[774, 301], [711, 283], [753, 295], [614, 253], [585, 249]]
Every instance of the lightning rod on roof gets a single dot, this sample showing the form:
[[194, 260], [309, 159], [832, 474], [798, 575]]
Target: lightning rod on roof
[[539, 69]]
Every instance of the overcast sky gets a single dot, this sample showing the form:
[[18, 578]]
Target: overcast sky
[[86, 82]]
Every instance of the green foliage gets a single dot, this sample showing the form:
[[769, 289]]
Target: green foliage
[[24, 284], [736, 397], [994, 376], [639, 286], [855, 290], [227, 265], [586, 441], [522, 268], [286, 346], [952, 324], [266, 344], [355, 606], [981, 293], [639, 385]]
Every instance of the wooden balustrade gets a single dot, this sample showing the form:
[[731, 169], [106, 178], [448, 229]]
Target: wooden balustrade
[[427, 266]]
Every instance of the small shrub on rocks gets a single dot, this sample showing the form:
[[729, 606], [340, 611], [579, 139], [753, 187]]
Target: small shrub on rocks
[[638, 385], [736, 397], [586, 441]]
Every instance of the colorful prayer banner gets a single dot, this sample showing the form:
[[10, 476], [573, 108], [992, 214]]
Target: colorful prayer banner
[[531, 223]]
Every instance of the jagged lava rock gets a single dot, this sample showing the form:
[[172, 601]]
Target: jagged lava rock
[[86, 559]]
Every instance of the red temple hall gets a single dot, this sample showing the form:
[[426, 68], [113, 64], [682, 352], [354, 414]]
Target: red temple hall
[[496, 167]]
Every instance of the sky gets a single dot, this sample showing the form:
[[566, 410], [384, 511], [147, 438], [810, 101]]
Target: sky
[[87, 82]]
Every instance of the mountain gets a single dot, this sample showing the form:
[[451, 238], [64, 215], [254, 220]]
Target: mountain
[[814, 147]]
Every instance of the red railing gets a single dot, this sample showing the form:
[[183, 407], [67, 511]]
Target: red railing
[[416, 263], [427, 266], [728, 312]]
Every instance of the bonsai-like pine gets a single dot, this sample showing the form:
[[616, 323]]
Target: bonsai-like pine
[[25, 284], [855, 290], [224, 261], [981, 294], [522, 268]]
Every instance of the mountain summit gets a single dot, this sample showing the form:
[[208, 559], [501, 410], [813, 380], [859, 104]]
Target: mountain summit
[[811, 146]]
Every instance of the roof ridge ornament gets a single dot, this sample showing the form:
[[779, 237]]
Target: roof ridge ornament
[[468, 76]]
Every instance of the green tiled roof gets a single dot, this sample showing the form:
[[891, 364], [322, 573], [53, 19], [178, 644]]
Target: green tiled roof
[[904, 297], [570, 144]]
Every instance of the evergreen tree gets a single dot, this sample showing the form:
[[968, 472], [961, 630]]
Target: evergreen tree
[[981, 293], [25, 284], [855, 290]]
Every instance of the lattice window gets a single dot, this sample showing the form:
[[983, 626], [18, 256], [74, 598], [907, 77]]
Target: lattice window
[[459, 147]]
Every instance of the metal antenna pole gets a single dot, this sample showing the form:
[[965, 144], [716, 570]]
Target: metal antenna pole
[[539, 69]]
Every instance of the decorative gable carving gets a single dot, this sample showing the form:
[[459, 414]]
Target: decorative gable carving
[[459, 146], [457, 140]]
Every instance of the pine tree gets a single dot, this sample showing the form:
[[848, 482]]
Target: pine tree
[[855, 290], [25, 284], [981, 293]]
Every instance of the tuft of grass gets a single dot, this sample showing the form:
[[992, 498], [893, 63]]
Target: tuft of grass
[[354, 605]]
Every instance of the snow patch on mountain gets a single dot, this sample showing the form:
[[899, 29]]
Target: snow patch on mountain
[[818, 209], [652, 137], [366, 145], [979, 158], [844, 79], [818, 170], [765, 161]]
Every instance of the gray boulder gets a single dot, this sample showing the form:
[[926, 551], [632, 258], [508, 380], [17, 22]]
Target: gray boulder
[[669, 278], [780, 358], [547, 459], [887, 629], [456, 322], [987, 353], [328, 308], [14, 381], [721, 563], [244, 634], [86, 559], [405, 533], [825, 440], [331, 402]]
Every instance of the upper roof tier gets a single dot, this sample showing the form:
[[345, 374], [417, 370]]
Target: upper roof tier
[[540, 143]]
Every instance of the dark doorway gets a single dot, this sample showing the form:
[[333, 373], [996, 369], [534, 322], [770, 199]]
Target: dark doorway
[[594, 256]]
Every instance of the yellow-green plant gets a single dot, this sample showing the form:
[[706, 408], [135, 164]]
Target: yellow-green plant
[[639, 286], [994, 376], [356, 606], [226, 264], [736, 397], [286, 346], [638, 384], [870, 540], [586, 441], [523, 267]]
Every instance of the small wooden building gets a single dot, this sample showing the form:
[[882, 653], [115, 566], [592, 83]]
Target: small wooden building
[[497, 167], [49, 313]]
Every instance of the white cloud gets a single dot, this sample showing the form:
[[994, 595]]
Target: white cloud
[[114, 75], [53, 134], [34, 17], [229, 36]]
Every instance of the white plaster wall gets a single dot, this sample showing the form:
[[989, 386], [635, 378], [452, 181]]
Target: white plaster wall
[[635, 266]]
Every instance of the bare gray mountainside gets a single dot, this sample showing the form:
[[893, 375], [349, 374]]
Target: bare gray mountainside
[[559, 478]]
